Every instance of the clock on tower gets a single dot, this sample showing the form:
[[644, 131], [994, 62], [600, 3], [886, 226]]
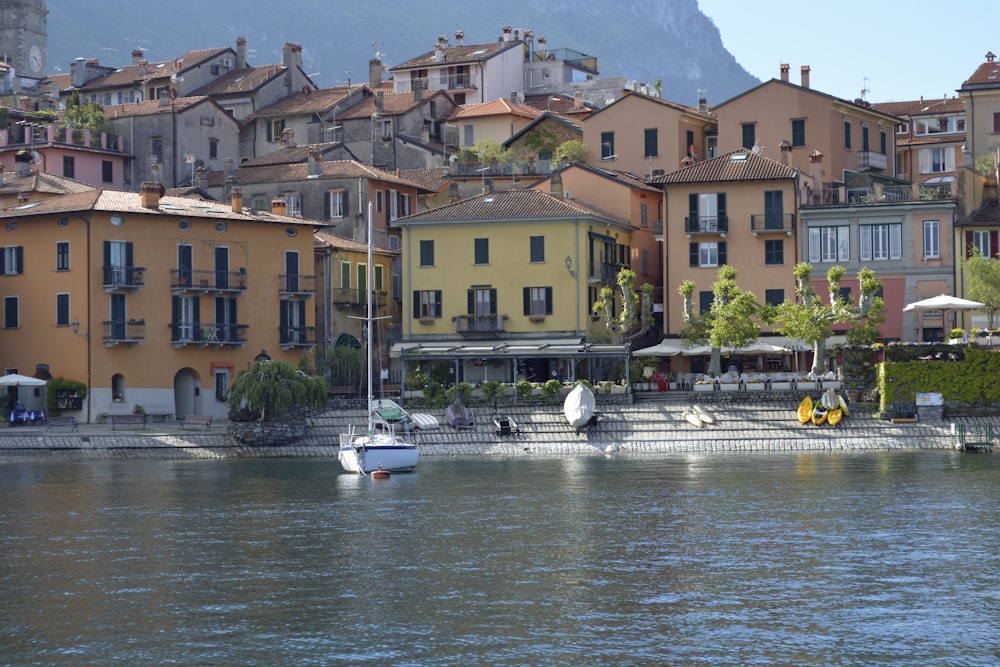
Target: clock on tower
[[24, 35]]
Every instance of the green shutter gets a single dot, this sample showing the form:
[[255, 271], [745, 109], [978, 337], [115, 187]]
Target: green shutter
[[472, 302], [493, 301], [693, 252], [527, 300], [437, 303], [722, 253], [548, 300], [416, 304]]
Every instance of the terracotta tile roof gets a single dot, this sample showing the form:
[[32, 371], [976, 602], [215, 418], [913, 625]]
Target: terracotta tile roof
[[988, 215], [457, 55], [393, 104], [741, 165], [238, 81], [283, 173], [432, 178], [511, 205], [922, 107], [325, 239], [986, 75], [40, 181], [931, 139], [864, 107], [317, 101], [498, 107], [129, 74], [676, 106], [120, 201], [558, 103], [624, 177], [573, 124], [290, 154], [153, 107]]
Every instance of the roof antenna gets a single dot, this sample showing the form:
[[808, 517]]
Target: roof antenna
[[864, 88]]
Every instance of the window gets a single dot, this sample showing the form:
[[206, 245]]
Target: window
[[880, 242], [293, 204], [864, 139], [883, 142], [774, 209], [937, 160], [336, 204], [707, 212], [392, 197], [378, 201], [774, 252], [482, 251], [903, 128], [798, 132], [69, 166], [292, 329], [427, 304], [537, 244], [275, 129], [847, 134], [427, 253], [345, 275], [644, 215], [644, 261], [607, 145], [221, 385], [844, 294], [943, 124], [107, 171], [62, 256], [482, 302], [691, 149], [774, 297], [156, 148], [10, 308], [537, 301], [362, 277], [749, 135], [213, 149], [705, 299], [12, 260], [468, 135], [983, 242], [259, 202], [650, 142], [62, 310], [829, 244], [708, 254], [932, 239], [996, 122], [378, 278]]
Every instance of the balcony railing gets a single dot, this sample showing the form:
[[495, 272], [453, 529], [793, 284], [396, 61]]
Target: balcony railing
[[297, 284], [123, 277], [208, 334], [780, 223], [129, 332], [480, 323], [657, 228], [208, 280], [290, 337], [872, 160], [346, 297], [604, 272], [879, 194], [706, 224], [503, 169]]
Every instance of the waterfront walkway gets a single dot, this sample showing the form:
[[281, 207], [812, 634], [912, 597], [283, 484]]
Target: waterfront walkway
[[768, 424]]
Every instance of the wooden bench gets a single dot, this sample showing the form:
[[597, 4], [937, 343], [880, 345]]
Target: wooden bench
[[55, 422], [196, 420], [128, 420], [343, 391]]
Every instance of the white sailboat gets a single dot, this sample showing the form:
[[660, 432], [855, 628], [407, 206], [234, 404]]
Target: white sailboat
[[379, 450]]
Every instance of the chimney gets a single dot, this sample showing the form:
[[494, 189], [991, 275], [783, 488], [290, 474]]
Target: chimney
[[241, 52], [22, 197], [375, 73], [816, 167], [785, 149], [785, 68], [278, 206], [459, 38], [379, 100], [136, 56], [556, 184], [578, 100], [990, 192], [149, 195], [515, 99], [237, 198], [702, 105], [439, 50], [291, 56], [79, 72], [315, 164], [805, 75], [288, 137], [453, 195], [22, 163], [507, 33], [418, 89], [201, 179]]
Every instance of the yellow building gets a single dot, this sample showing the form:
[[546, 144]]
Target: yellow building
[[150, 300], [504, 270]]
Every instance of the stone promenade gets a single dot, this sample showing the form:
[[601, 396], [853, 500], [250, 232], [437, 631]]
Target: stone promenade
[[647, 427]]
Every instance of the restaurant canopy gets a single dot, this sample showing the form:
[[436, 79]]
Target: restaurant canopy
[[671, 347]]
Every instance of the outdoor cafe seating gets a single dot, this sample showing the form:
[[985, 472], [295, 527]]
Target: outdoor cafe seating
[[20, 416]]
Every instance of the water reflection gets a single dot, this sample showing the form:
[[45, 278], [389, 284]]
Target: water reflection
[[850, 559]]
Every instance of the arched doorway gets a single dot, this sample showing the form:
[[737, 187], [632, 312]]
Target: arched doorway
[[187, 393]]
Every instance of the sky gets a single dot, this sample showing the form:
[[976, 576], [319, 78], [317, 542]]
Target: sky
[[898, 51]]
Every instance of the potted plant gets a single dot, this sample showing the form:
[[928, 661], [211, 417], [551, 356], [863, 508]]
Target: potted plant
[[955, 336], [243, 277]]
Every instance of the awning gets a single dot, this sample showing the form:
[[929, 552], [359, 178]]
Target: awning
[[668, 347], [506, 348]]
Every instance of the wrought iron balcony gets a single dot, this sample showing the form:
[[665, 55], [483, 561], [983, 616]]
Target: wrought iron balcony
[[604, 272], [208, 281], [480, 323], [208, 334], [704, 224], [123, 278], [290, 337], [345, 297], [297, 285], [772, 223], [123, 332]]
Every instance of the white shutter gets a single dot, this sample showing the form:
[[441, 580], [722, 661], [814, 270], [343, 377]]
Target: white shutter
[[865, 238], [843, 244], [895, 241], [925, 161], [814, 244]]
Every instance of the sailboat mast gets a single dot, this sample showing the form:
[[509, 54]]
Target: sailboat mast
[[369, 273]]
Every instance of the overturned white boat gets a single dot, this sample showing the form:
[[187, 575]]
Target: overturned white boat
[[579, 407]]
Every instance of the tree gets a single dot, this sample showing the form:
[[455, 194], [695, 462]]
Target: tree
[[985, 165], [731, 321], [491, 149], [81, 115], [636, 308], [984, 284], [810, 320], [276, 391], [572, 151]]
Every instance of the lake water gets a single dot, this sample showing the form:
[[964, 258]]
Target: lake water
[[812, 559]]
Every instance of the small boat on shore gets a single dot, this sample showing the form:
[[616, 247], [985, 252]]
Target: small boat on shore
[[691, 417], [458, 415], [505, 425], [579, 407], [704, 415], [805, 410]]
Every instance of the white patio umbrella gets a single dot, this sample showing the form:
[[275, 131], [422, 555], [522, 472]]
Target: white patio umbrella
[[15, 380], [944, 303]]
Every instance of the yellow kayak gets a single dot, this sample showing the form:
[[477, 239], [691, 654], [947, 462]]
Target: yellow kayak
[[834, 416], [805, 410], [843, 406], [819, 416]]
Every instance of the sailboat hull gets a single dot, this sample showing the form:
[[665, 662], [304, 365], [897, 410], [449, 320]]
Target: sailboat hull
[[364, 455]]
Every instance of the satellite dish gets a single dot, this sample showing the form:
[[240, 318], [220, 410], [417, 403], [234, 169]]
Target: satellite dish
[[35, 157]]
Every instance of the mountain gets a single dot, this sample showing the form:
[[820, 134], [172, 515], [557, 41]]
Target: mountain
[[641, 40]]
